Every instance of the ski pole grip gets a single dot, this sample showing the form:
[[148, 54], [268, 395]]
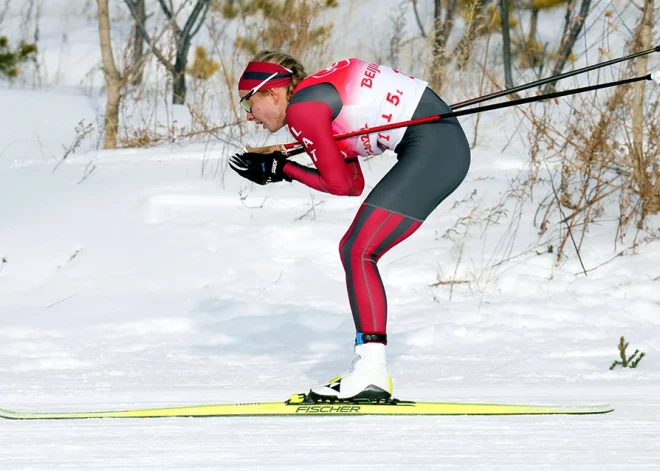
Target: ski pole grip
[[655, 76], [266, 150]]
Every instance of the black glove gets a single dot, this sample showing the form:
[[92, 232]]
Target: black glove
[[260, 168]]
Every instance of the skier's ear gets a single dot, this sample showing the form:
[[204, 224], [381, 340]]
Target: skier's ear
[[277, 94]]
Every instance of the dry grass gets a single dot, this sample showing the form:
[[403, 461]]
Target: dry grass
[[588, 154]]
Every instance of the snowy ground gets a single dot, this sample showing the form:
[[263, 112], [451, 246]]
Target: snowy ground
[[152, 278], [149, 284], [626, 439]]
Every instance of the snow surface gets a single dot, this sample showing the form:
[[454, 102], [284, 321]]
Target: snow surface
[[154, 278]]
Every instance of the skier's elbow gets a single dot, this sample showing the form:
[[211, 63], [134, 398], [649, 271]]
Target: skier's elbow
[[344, 189], [357, 187]]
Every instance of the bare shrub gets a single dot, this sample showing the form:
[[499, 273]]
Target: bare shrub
[[592, 156], [83, 130], [475, 219], [295, 27]]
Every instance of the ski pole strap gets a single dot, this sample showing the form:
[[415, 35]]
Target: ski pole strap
[[361, 338]]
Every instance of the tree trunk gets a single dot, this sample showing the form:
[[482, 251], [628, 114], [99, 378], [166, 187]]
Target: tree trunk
[[179, 83], [437, 65], [112, 116], [568, 41], [506, 43], [441, 31], [182, 39], [528, 57], [643, 40], [138, 45], [533, 25], [113, 80], [449, 21]]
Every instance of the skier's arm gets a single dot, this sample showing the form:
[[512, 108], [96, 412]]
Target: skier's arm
[[310, 123]]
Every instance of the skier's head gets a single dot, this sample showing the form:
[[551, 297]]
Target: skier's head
[[266, 86]]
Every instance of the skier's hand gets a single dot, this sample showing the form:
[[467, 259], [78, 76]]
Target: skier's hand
[[260, 168]]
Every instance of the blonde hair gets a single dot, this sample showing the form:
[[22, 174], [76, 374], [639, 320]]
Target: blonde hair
[[287, 61]]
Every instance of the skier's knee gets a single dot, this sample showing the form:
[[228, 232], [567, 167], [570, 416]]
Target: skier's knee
[[351, 251]]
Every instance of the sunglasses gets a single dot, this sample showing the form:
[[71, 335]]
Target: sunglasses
[[245, 101]]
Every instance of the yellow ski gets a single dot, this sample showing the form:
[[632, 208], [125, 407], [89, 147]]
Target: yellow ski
[[298, 405]]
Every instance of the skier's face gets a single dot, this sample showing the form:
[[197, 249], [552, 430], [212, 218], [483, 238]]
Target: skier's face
[[266, 107]]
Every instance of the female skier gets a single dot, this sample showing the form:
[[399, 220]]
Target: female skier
[[432, 161]]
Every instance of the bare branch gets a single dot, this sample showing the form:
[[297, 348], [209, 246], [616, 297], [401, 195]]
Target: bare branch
[[108, 61], [4, 12], [152, 46], [201, 21], [561, 212], [419, 20], [569, 41], [166, 10], [201, 4]]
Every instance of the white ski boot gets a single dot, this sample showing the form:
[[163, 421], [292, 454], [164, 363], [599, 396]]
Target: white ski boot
[[367, 380]]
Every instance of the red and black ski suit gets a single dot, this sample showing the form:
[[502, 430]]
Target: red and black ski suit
[[432, 161]]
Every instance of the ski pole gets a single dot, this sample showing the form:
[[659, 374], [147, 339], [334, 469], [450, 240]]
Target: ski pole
[[537, 83], [291, 148], [295, 148]]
